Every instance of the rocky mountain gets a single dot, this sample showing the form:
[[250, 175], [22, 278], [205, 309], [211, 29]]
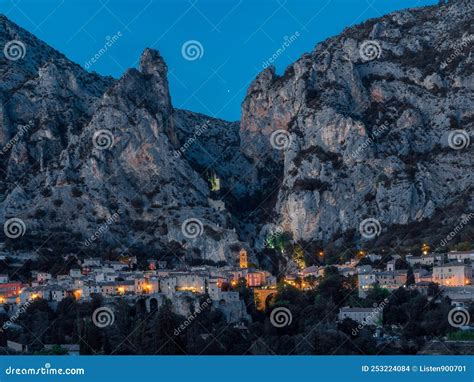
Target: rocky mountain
[[373, 124], [365, 136]]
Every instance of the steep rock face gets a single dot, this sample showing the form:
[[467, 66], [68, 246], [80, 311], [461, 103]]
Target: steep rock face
[[368, 136], [99, 155], [45, 92], [213, 146]]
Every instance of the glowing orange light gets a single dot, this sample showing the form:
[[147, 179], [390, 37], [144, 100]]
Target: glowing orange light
[[425, 249], [187, 288], [77, 294]]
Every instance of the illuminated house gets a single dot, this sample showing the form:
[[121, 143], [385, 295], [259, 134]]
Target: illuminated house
[[237, 274], [216, 294], [256, 279], [253, 278], [29, 294], [453, 274], [8, 290], [108, 288], [126, 286], [365, 282], [147, 285], [392, 280], [388, 280], [182, 282]]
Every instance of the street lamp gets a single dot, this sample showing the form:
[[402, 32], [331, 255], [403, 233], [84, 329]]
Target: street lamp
[[425, 249]]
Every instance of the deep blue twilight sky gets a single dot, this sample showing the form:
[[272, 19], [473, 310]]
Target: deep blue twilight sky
[[237, 37]]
